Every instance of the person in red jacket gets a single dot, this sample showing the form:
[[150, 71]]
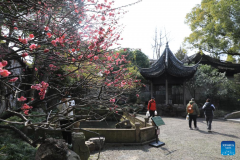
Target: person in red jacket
[[152, 106]]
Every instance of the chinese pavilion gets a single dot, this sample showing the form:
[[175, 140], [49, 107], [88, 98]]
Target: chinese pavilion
[[165, 73]]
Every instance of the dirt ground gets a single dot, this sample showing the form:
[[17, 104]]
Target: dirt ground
[[180, 143]]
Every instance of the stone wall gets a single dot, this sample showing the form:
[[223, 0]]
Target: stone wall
[[137, 135], [147, 133], [112, 135]]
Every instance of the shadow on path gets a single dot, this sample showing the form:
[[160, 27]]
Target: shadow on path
[[169, 152], [228, 135], [214, 132], [144, 148]]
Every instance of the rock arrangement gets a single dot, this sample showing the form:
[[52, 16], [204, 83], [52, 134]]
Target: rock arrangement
[[52, 149], [90, 145], [79, 145], [124, 124], [95, 143]]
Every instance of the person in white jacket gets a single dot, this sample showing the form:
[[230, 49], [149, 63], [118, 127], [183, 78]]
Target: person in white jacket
[[66, 117]]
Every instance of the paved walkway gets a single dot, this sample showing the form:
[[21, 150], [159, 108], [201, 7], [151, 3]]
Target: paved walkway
[[180, 143]]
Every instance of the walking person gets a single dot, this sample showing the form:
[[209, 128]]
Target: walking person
[[152, 106], [66, 117], [193, 112], [208, 109]]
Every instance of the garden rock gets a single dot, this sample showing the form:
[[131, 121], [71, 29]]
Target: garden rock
[[53, 149], [79, 145], [124, 124], [90, 145], [99, 142]]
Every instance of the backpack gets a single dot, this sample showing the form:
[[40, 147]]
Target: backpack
[[190, 108]]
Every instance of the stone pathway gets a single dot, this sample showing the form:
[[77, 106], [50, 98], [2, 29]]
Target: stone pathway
[[180, 143]]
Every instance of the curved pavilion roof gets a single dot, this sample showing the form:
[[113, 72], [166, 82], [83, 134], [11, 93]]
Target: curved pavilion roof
[[223, 66], [168, 66]]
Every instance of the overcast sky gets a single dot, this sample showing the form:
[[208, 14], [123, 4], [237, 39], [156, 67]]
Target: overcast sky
[[142, 19]]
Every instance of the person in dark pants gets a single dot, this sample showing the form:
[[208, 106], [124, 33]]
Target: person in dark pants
[[67, 136], [208, 108], [152, 106], [193, 111]]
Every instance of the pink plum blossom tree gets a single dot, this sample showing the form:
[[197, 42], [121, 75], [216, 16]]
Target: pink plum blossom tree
[[55, 48]]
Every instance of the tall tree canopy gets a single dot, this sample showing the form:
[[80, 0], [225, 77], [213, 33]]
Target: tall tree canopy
[[215, 26], [136, 56], [213, 83], [230, 58]]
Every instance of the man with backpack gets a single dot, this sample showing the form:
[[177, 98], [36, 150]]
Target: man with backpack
[[193, 111], [208, 112]]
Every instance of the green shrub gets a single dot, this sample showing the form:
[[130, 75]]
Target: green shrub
[[220, 113], [132, 98], [13, 148], [36, 119]]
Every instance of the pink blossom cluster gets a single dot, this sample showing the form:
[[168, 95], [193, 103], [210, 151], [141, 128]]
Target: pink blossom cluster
[[58, 40], [26, 108], [33, 46], [113, 109], [49, 35], [21, 99], [4, 72], [24, 54], [36, 86], [42, 88], [123, 83], [53, 67], [112, 100], [24, 41], [13, 79]]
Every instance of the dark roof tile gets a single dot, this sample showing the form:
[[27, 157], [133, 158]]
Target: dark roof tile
[[168, 64]]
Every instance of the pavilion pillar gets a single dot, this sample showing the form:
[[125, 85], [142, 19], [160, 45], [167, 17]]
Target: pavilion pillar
[[151, 89], [166, 92], [184, 97]]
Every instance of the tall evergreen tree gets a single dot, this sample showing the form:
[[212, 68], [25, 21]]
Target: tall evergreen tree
[[181, 53]]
